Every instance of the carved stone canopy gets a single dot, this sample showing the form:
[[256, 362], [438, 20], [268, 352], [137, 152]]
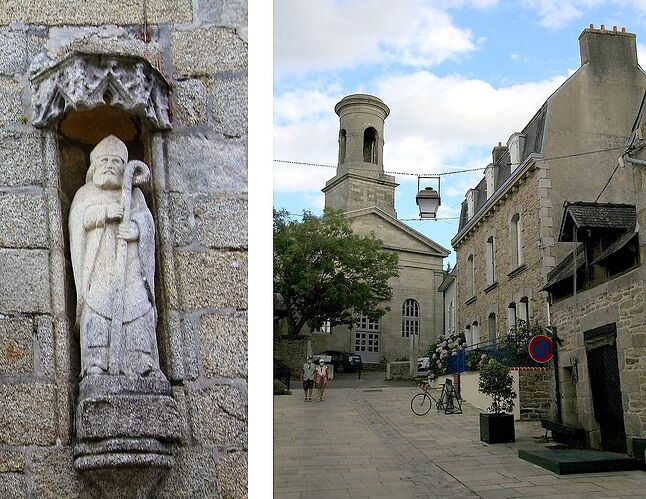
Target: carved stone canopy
[[84, 81]]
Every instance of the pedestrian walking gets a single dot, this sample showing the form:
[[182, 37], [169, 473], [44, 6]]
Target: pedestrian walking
[[320, 378], [307, 377]]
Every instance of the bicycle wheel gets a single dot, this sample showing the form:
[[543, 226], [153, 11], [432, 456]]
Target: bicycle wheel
[[442, 400], [421, 404]]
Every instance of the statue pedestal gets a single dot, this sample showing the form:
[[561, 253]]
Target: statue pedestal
[[124, 422]]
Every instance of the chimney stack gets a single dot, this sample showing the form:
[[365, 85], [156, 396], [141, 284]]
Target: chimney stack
[[604, 49]]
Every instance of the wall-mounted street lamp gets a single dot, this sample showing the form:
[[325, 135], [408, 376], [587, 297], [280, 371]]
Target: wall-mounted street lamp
[[428, 199]]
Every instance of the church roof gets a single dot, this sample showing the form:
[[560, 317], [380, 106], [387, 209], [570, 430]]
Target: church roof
[[434, 248]]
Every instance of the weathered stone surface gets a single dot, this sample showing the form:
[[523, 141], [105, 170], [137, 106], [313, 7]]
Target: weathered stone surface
[[223, 345], [222, 12], [45, 338], [22, 221], [16, 346], [219, 415], [232, 475], [206, 163], [110, 39], [221, 221], [11, 461], [227, 51], [229, 106], [13, 486], [82, 81], [25, 278], [53, 475], [214, 279], [181, 217], [194, 475], [64, 12], [190, 102], [154, 416], [28, 414], [20, 159], [10, 102], [13, 52]]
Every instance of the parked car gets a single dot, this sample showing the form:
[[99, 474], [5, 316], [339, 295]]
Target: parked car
[[423, 363], [342, 361]]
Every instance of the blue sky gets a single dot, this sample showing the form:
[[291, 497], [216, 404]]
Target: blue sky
[[458, 76]]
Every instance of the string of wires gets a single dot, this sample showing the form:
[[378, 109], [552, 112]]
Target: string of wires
[[452, 172], [300, 215]]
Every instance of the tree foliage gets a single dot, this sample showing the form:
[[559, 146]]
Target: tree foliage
[[325, 272], [497, 382]]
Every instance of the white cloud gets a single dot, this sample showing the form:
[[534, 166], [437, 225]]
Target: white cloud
[[435, 120], [559, 13], [327, 34], [436, 124]]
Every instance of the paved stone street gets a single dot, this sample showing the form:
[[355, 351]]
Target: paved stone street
[[366, 442]]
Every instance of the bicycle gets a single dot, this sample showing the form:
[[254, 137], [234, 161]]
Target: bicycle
[[422, 403]]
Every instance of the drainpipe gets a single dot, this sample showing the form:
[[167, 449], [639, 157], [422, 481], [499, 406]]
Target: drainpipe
[[552, 331]]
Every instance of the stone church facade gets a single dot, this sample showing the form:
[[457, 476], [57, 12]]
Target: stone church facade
[[169, 79], [366, 194]]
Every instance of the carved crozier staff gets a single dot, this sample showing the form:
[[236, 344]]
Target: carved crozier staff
[[136, 173]]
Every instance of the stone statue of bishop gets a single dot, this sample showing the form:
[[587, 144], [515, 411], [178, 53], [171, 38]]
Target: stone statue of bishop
[[112, 245]]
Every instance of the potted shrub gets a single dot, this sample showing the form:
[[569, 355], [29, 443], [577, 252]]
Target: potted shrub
[[497, 382]]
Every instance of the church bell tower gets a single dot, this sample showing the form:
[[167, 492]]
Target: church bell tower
[[360, 181]]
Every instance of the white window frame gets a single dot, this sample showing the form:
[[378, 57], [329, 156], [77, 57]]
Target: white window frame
[[491, 260], [410, 318], [516, 237]]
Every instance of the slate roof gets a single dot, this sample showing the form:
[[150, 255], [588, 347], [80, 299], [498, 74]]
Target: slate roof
[[564, 268], [586, 215], [533, 131], [619, 243]]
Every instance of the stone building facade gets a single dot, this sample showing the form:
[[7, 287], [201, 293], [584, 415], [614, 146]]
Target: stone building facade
[[507, 240], [366, 194], [169, 78], [603, 324]]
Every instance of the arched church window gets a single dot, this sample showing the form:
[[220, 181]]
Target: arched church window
[[410, 318]]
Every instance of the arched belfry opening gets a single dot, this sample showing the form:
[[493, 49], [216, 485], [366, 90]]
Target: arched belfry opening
[[343, 136], [370, 146]]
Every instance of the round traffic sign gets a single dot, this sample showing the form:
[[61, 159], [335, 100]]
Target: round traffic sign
[[541, 348]]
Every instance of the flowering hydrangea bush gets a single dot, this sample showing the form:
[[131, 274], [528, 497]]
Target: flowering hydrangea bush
[[441, 350], [476, 360]]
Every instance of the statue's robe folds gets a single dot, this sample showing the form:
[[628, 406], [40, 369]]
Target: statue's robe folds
[[93, 248]]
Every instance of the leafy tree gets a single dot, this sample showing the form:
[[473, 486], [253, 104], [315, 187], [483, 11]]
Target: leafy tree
[[497, 382], [325, 272]]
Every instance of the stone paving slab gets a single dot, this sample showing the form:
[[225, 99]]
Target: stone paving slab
[[359, 443]]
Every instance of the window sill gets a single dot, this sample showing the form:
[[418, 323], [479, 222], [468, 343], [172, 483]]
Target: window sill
[[491, 286], [518, 270], [470, 300]]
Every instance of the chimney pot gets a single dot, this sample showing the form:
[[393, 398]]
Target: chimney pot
[[603, 27], [614, 28], [592, 26], [623, 29]]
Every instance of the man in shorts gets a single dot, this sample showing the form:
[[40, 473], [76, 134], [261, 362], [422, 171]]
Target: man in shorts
[[307, 377]]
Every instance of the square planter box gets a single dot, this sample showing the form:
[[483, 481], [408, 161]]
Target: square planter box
[[497, 428]]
